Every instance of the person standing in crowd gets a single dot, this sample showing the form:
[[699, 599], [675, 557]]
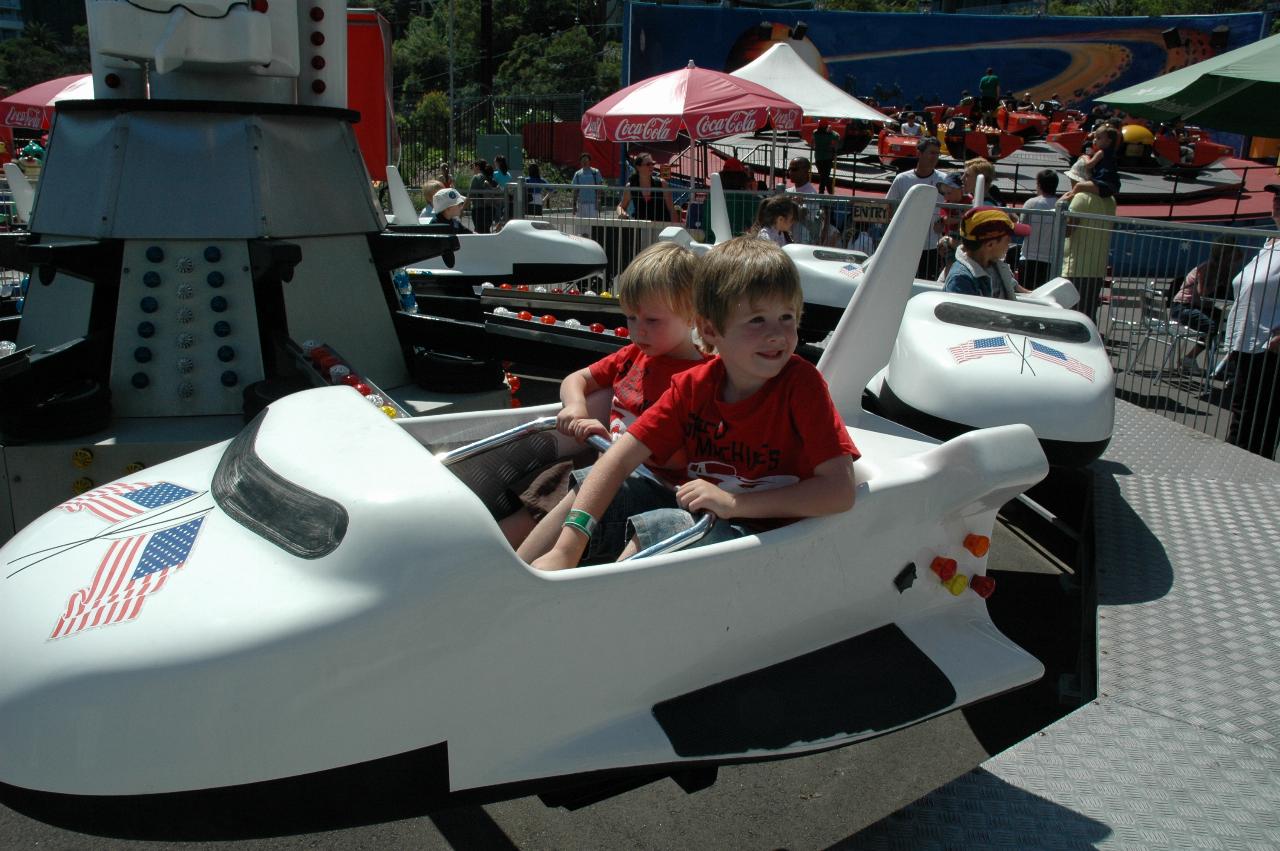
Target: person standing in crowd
[[954, 130], [481, 192], [979, 267], [446, 175], [585, 203], [928, 149], [1037, 249], [1085, 254], [800, 170], [1253, 332], [989, 96], [652, 203], [501, 174], [826, 142], [740, 200], [534, 183]]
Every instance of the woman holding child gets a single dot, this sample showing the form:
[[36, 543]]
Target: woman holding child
[[750, 435]]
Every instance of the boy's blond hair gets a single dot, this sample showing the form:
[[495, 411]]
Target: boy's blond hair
[[429, 190], [663, 271], [980, 166], [745, 268]]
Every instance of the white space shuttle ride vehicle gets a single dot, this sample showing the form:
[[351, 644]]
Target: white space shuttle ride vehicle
[[331, 586]]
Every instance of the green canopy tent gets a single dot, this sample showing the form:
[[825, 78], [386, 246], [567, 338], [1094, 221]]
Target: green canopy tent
[[1237, 92]]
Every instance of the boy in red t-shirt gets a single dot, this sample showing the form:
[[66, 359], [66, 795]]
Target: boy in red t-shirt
[[754, 430], [656, 295]]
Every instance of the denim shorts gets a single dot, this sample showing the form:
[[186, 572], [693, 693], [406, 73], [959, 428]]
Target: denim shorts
[[657, 525], [637, 495]]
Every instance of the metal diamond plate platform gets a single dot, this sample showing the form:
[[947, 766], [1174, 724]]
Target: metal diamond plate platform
[[1151, 445], [1182, 747], [1107, 776]]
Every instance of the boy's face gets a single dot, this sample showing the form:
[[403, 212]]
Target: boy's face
[[994, 249], [656, 329], [756, 343]]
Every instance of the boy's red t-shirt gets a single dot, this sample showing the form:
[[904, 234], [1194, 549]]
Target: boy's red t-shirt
[[638, 381], [773, 438]]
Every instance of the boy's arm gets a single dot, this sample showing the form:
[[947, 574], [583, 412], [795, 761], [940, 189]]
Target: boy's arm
[[597, 492], [829, 491], [574, 390]]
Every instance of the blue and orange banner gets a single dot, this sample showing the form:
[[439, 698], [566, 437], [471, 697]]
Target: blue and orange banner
[[920, 59]]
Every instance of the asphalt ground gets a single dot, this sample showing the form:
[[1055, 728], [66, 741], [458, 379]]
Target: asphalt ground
[[817, 801]]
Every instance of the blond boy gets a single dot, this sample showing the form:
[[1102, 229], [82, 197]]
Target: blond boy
[[655, 293], [753, 431]]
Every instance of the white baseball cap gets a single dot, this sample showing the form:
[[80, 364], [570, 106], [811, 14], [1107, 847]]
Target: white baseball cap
[[446, 198]]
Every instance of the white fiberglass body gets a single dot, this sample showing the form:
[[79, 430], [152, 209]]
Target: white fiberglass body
[[525, 251], [971, 362], [322, 591]]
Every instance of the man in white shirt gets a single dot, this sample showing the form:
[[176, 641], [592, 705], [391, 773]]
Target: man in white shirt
[[805, 228], [928, 150], [1253, 332]]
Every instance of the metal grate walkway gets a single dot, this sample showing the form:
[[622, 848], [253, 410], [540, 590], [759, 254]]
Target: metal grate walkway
[[1182, 747]]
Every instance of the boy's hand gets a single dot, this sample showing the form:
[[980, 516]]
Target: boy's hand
[[581, 428], [568, 415], [700, 495]]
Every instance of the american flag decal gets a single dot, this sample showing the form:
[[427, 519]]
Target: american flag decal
[[1052, 355], [980, 348], [120, 501], [132, 569]]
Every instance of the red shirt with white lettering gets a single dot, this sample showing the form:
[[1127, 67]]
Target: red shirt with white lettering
[[637, 381], [773, 438]]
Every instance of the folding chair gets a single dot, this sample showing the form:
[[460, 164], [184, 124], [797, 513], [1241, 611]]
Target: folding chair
[[1155, 325], [1123, 302]]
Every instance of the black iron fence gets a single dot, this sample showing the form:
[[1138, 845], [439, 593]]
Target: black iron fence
[[424, 143]]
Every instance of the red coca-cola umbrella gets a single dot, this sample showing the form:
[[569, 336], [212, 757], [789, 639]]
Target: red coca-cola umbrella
[[32, 109], [704, 104]]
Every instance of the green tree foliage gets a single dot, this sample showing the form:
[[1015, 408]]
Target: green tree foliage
[[539, 46], [36, 56], [565, 62]]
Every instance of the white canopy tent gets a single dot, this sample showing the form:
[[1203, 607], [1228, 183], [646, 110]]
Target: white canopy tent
[[782, 70]]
